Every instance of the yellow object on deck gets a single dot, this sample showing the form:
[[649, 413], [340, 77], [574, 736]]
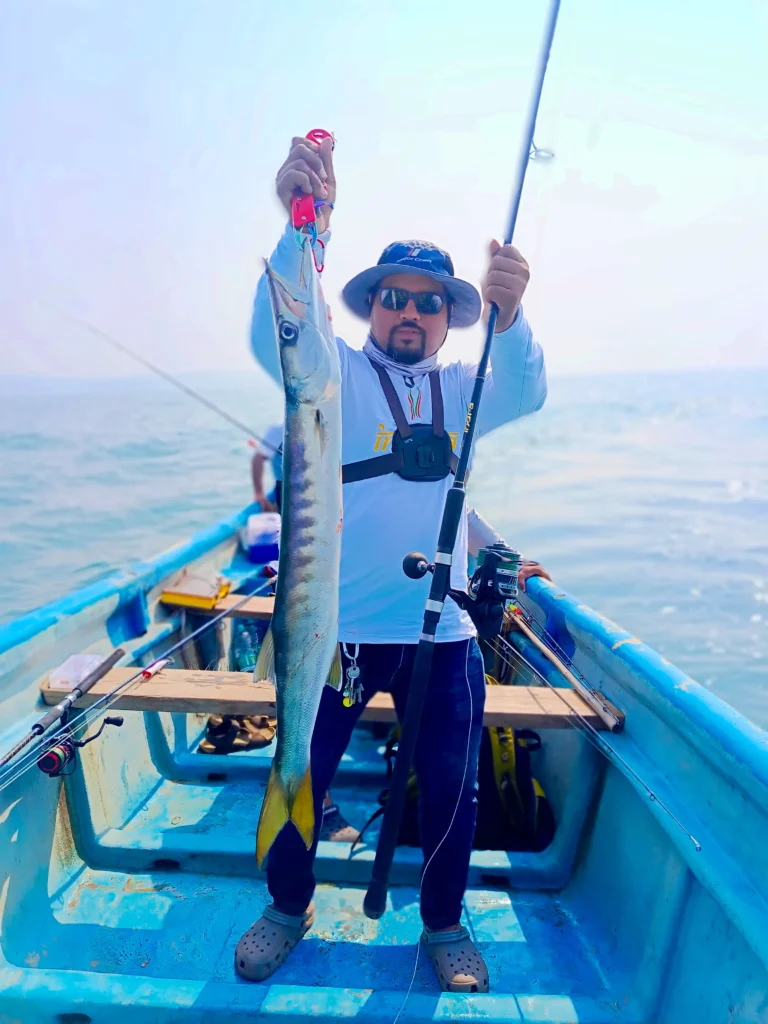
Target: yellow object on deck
[[191, 591]]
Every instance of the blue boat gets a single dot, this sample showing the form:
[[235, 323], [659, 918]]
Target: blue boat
[[126, 882]]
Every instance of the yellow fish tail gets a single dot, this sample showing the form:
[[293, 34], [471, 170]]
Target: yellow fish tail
[[277, 810]]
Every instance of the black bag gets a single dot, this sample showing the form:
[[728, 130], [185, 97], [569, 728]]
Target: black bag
[[513, 812]]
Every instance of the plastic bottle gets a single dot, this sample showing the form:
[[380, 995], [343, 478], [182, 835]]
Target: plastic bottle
[[242, 645]]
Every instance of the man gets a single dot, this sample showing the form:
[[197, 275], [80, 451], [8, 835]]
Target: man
[[393, 392], [270, 449]]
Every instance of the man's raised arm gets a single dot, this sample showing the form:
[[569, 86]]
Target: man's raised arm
[[308, 169]]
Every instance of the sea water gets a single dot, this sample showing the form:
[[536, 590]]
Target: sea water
[[644, 495]]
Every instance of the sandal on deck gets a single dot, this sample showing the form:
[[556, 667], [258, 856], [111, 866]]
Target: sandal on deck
[[266, 944], [457, 962], [260, 729], [226, 734], [335, 828]]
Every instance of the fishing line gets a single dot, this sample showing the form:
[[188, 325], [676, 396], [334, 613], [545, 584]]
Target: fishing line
[[89, 715], [589, 731], [190, 392], [450, 826]]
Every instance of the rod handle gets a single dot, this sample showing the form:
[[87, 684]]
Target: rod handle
[[375, 901], [77, 691]]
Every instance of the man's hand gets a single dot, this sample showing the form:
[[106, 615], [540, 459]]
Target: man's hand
[[309, 169], [530, 568], [504, 283], [266, 504]]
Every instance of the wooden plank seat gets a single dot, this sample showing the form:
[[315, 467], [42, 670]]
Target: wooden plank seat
[[235, 693]]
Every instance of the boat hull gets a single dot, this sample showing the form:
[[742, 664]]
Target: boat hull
[[124, 888]]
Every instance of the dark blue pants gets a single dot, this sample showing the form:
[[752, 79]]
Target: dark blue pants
[[446, 759]]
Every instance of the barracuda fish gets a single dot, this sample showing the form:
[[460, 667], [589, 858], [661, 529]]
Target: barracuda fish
[[300, 652]]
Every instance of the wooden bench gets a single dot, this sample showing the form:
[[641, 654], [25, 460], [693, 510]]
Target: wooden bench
[[235, 693]]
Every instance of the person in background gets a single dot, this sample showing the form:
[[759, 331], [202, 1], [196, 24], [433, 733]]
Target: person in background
[[269, 449]]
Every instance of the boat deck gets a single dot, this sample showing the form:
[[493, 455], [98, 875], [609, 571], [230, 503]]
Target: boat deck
[[148, 928], [125, 888], [173, 927]]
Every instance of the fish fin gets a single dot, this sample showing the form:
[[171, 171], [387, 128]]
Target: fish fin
[[274, 814], [265, 665], [303, 810], [334, 676]]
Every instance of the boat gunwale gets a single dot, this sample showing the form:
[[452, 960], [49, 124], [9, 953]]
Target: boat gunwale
[[740, 738], [124, 583]]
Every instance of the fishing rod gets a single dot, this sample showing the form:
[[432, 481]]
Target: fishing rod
[[506, 650], [610, 716], [88, 715], [376, 896], [62, 708], [185, 388]]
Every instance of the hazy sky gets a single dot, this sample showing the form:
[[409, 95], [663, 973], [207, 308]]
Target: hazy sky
[[140, 141]]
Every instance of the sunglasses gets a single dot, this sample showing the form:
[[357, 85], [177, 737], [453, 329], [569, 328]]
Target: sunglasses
[[427, 303]]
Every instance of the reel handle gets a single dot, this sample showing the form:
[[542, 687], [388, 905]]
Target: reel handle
[[416, 566]]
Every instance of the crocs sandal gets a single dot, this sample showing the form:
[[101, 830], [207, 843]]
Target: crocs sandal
[[335, 828], [457, 962], [220, 735], [266, 944], [226, 734], [260, 729]]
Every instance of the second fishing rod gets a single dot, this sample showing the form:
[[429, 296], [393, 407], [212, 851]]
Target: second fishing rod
[[376, 896]]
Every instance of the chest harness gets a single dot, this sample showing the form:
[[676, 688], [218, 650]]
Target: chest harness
[[420, 451]]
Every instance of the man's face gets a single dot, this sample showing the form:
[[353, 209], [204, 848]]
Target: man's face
[[406, 334]]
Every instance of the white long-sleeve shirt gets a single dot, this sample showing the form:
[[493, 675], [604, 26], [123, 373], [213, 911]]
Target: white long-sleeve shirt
[[387, 517]]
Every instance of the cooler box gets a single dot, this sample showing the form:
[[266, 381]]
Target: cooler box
[[261, 537]]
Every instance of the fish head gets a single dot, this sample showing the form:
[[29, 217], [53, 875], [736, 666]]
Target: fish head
[[309, 356]]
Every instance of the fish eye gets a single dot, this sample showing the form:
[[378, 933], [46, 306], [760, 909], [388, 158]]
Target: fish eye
[[287, 332]]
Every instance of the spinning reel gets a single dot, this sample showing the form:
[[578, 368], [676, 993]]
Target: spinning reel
[[493, 583], [63, 753]]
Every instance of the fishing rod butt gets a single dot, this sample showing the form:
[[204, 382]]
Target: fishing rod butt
[[375, 902]]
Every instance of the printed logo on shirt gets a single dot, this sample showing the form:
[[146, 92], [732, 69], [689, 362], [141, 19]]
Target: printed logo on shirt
[[414, 398], [384, 439]]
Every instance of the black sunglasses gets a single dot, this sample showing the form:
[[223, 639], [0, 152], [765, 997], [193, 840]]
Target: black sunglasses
[[427, 303]]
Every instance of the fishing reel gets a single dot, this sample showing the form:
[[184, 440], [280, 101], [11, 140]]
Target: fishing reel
[[493, 583], [63, 753]]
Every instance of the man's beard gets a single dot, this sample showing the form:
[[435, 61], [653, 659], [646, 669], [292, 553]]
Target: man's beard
[[411, 354]]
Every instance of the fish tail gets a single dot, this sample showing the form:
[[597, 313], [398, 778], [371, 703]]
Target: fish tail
[[275, 812], [303, 810]]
